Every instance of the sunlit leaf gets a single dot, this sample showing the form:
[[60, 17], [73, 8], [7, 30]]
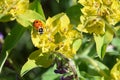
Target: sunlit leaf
[[115, 42], [36, 6], [102, 42], [64, 21], [99, 40], [28, 17], [37, 59], [108, 36], [30, 64], [76, 44], [44, 60]]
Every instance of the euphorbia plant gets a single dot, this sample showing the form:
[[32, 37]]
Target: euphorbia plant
[[59, 40]]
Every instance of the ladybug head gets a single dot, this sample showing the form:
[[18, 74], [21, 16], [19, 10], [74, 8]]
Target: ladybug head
[[40, 30]]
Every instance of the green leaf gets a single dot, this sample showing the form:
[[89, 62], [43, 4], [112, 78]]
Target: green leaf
[[50, 75], [28, 17], [108, 36], [86, 76], [115, 42], [37, 59], [99, 40], [10, 41], [74, 14], [102, 42], [36, 6], [30, 64], [6, 18], [100, 69], [76, 44]]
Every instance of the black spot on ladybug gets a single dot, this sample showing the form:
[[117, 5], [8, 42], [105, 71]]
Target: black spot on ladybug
[[36, 22]]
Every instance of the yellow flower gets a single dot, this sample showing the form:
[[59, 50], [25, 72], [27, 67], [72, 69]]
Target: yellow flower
[[97, 14], [107, 2], [58, 36], [87, 10], [20, 7], [114, 17], [13, 7], [93, 25], [115, 72], [66, 49]]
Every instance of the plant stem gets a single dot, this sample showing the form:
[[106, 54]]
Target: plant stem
[[73, 68]]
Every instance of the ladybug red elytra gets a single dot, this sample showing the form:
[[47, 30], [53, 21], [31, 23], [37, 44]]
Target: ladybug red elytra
[[38, 25]]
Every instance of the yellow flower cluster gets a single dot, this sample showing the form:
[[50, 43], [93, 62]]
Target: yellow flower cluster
[[13, 7], [58, 36], [115, 71], [98, 13]]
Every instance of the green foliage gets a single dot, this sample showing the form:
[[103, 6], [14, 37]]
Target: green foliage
[[49, 73], [76, 44], [37, 59], [36, 6], [115, 42], [10, 41], [5, 18], [79, 39], [102, 42], [28, 17], [74, 13]]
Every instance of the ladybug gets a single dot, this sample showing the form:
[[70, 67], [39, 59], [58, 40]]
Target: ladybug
[[38, 25]]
